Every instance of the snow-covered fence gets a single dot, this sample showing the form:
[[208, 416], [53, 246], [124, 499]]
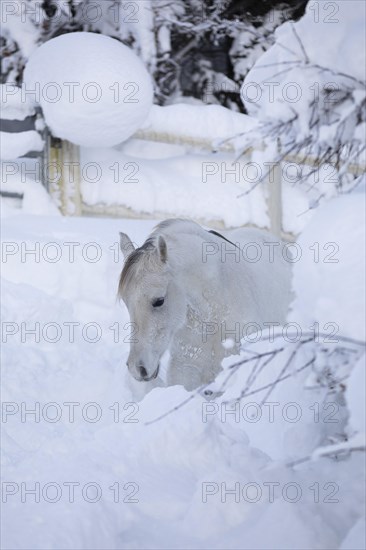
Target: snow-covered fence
[[201, 131], [21, 130], [20, 125], [63, 162], [274, 182], [64, 184], [20, 139]]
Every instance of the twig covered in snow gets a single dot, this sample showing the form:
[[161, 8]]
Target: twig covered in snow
[[324, 376], [326, 121]]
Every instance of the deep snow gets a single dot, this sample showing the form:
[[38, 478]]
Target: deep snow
[[174, 467]]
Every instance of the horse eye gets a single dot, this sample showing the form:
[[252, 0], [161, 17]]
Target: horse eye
[[158, 302]]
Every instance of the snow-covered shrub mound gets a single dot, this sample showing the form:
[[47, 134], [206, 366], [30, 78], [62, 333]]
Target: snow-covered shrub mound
[[309, 90], [93, 90], [296, 72], [334, 33], [329, 277], [329, 285]]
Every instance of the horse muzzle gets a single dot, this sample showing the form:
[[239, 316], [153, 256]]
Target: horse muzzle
[[141, 375]]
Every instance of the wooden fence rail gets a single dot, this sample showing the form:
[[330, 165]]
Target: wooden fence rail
[[65, 186]]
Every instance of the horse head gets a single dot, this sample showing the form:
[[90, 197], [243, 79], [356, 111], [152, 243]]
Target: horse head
[[155, 301]]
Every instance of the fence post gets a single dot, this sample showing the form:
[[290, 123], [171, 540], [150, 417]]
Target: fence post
[[275, 196], [71, 179], [63, 170]]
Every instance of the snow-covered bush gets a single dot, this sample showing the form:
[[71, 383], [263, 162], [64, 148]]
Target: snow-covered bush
[[308, 90]]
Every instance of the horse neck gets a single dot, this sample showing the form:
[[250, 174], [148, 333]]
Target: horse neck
[[201, 281]]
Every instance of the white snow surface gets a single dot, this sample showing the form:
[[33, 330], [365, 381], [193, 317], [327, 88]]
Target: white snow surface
[[355, 394], [100, 99], [206, 122], [174, 183], [14, 105], [15, 145], [356, 538], [329, 279], [170, 464], [36, 200], [166, 179]]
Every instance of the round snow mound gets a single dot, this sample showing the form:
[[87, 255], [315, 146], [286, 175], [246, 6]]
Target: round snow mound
[[93, 90]]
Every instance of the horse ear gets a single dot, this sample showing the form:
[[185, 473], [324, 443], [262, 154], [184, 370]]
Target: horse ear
[[126, 245], [162, 249]]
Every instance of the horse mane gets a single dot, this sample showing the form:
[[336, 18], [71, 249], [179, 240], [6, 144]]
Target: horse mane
[[177, 225], [145, 252]]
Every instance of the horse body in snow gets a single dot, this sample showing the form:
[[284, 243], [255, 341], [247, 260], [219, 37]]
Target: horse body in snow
[[188, 289]]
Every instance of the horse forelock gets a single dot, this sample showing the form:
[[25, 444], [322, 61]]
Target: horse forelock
[[133, 262]]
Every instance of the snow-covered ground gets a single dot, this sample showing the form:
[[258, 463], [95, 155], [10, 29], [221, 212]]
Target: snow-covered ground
[[103, 475]]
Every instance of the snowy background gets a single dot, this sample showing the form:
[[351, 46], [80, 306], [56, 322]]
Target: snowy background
[[276, 459]]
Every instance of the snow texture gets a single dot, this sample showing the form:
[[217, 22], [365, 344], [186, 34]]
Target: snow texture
[[14, 106], [171, 460], [206, 122], [298, 45], [171, 186], [13, 146], [100, 99], [330, 288]]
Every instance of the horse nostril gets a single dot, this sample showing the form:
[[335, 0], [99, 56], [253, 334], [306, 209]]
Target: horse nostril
[[142, 371]]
